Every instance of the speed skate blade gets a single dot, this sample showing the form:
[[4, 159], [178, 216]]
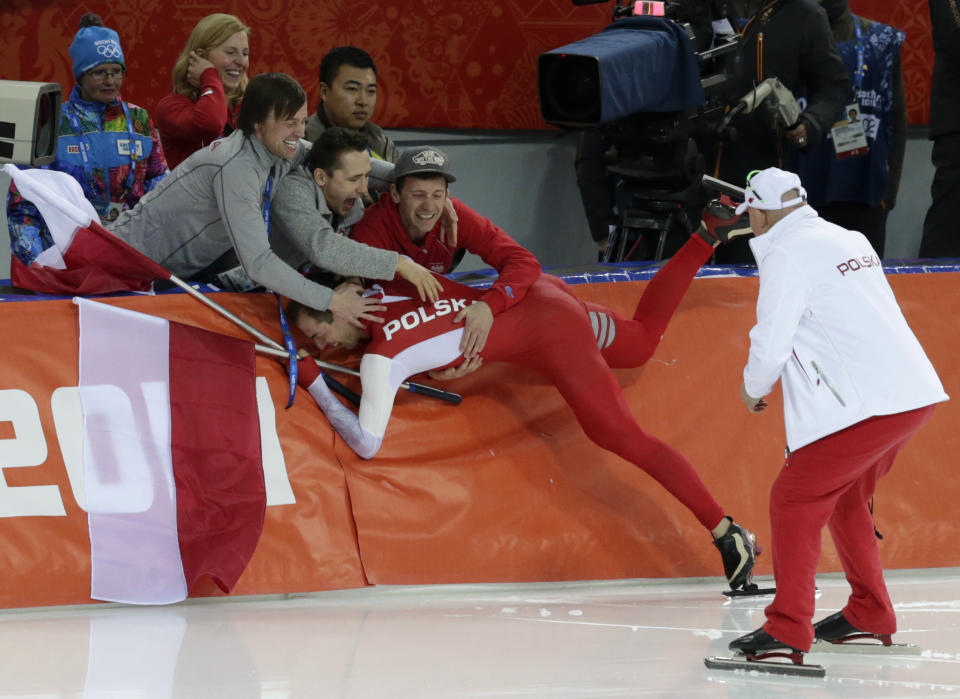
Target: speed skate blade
[[766, 667], [865, 648], [754, 590], [750, 590]]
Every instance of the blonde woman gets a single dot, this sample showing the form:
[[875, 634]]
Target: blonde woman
[[209, 79]]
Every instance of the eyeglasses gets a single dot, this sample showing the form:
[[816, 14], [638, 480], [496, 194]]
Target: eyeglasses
[[102, 74]]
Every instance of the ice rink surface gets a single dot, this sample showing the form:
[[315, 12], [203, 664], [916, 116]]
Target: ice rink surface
[[592, 640]]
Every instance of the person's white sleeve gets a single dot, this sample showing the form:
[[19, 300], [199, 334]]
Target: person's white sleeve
[[780, 306], [344, 420], [380, 379]]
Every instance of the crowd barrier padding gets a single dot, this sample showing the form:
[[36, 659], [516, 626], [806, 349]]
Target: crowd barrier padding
[[504, 487]]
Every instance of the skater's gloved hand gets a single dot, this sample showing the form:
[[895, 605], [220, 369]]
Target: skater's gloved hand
[[754, 405], [723, 209]]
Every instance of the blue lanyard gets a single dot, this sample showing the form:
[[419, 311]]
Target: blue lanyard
[[292, 367], [861, 66], [133, 150], [267, 189]]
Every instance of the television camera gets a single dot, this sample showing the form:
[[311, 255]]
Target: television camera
[[29, 122], [656, 85]]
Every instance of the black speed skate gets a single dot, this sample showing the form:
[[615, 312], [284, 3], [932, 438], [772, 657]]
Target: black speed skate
[[758, 651], [720, 223], [738, 549], [835, 634]]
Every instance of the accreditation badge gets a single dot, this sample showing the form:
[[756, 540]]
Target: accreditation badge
[[113, 211], [848, 134], [131, 148], [236, 279]]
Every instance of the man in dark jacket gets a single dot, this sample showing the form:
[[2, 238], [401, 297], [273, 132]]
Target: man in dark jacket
[[852, 186], [940, 237], [790, 40], [348, 96]]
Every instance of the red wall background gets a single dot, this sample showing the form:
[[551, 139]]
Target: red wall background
[[443, 64]]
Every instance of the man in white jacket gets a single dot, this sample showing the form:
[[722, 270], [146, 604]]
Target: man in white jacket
[[856, 386]]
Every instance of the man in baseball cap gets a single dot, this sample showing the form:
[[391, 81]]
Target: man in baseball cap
[[766, 189], [409, 222], [770, 196], [856, 386]]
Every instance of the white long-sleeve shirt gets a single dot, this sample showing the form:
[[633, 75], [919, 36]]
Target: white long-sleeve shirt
[[829, 326]]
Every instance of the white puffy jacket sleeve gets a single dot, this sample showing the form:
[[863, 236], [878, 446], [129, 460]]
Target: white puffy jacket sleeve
[[380, 378]]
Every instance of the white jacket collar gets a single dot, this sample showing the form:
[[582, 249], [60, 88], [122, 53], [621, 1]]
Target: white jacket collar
[[761, 245]]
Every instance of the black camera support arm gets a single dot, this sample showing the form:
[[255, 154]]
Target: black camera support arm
[[716, 185]]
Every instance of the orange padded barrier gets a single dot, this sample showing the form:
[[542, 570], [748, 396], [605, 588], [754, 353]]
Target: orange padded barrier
[[504, 487], [510, 489]]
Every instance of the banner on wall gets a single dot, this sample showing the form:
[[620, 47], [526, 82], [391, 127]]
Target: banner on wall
[[44, 493]]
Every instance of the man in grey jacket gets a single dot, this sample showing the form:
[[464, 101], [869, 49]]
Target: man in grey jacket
[[317, 203], [217, 201]]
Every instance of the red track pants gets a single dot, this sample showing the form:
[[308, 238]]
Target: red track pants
[[830, 482]]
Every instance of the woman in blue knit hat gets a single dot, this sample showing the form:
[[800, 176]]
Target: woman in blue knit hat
[[110, 146]]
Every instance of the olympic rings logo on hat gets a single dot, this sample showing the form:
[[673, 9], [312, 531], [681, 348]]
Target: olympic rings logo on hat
[[108, 51]]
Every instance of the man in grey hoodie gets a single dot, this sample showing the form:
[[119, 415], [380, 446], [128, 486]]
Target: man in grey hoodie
[[217, 203]]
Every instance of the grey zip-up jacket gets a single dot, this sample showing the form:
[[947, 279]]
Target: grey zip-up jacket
[[211, 202], [303, 231]]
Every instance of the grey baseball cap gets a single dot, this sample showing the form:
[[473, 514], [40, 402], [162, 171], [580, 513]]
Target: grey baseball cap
[[424, 160]]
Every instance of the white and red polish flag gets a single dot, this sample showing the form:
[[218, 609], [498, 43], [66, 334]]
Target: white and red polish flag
[[173, 479], [85, 257]]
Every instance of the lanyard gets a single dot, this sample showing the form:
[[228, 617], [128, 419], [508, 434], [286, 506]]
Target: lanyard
[[132, 148], [267, 189], [861, 66], [292, 367]]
